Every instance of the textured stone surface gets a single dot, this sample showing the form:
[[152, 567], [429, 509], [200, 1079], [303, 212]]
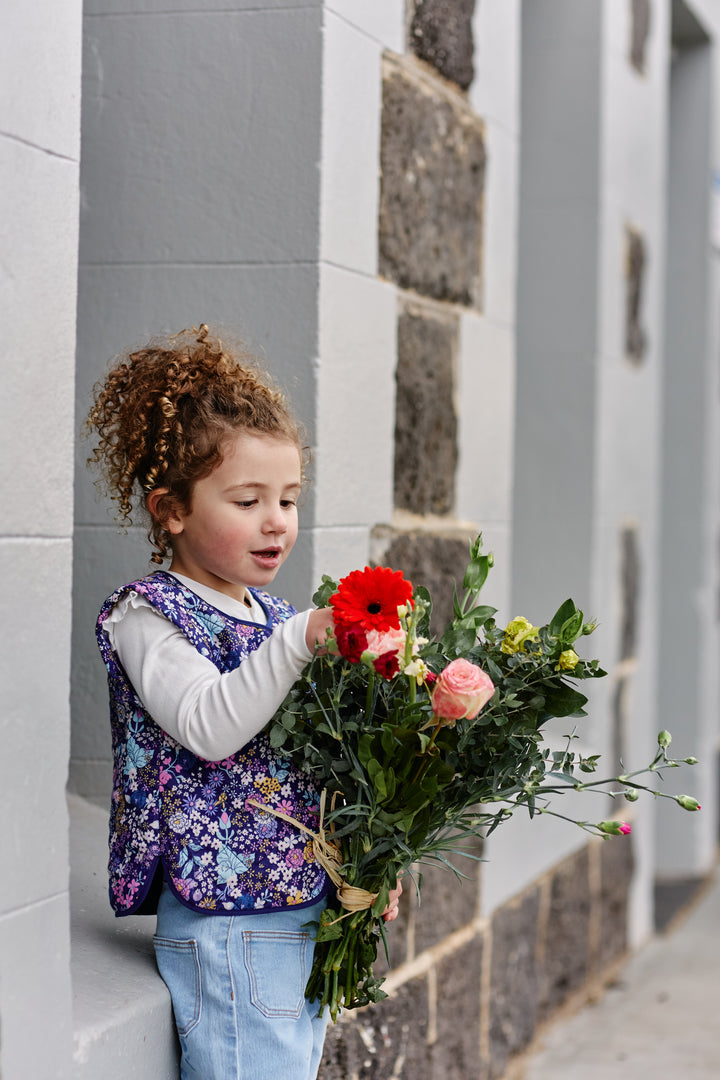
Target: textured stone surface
[[640, 10], [425, 419], [432, 172], [441, 33], [616, 868], [635, 339], [629, 592], [446, 903], [567, 934], [456, 1051], [619, 720], [386, 1040], [438, 561], [514, 980]]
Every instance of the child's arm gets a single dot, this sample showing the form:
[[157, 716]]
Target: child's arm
[[212, 714]]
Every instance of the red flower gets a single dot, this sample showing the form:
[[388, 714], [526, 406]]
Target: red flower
[[370, 598], [351, 641], [387, 665]]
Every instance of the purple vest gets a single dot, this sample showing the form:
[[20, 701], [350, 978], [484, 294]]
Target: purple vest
[[174, 810]]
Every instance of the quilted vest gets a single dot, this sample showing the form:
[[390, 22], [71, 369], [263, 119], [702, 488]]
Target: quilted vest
[[174, 811]]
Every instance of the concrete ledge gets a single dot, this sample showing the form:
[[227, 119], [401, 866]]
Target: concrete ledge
[[122, 1017]]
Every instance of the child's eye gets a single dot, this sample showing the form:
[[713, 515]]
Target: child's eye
[[246, 503], [287, 503]]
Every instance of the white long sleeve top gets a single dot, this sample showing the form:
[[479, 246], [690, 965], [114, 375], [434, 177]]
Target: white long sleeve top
[[211, 713]]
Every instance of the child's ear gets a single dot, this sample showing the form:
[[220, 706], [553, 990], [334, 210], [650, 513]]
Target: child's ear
[[163, 507]]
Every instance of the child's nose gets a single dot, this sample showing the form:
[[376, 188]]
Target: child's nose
[[276, 520]]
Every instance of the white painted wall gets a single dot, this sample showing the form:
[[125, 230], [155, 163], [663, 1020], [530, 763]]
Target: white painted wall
[[39, 158]]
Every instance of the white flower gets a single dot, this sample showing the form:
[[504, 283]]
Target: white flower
[[416, 669]]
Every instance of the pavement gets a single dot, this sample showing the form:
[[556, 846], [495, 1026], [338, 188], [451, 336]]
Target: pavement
[[660, 1019]]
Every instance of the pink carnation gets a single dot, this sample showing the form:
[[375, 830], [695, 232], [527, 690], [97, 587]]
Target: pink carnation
[[379, 642], [461, 690]]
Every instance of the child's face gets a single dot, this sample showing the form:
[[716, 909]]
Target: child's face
[[243, 519]]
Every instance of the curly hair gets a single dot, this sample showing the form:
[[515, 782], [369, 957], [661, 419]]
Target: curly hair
[[163, 413]]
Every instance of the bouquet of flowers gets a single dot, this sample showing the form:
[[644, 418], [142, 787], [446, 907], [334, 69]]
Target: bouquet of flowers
[[418, 744]]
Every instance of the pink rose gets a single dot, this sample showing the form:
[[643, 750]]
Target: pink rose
[[461, 690]]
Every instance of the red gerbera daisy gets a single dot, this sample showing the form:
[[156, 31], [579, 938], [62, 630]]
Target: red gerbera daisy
[[370, 598]]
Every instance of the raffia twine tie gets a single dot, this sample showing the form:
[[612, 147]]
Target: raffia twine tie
[[327, 853]]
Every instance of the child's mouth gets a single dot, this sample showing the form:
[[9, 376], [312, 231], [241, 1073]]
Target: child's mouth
[[268, 555]]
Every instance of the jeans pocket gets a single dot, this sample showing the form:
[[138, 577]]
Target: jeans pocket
[[277, 964], [179, 965]]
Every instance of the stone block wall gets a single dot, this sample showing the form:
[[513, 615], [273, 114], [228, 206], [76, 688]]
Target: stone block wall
[[471, 992], [469, 985]]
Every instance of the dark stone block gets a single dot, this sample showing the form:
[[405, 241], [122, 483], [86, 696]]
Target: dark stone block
[[425, 420], [629, 592], [437, 561], [432, 173], [566, 948], [619, 720], [446, 903], [384, 1040], [456, 1052], [640, 10], [441, 34], [671, 897], [616, 869], [635, 340], [514, 980]]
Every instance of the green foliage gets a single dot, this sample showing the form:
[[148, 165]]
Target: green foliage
[[410, 787]]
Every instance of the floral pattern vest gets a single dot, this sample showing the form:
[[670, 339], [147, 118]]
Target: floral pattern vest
[[174, 810]]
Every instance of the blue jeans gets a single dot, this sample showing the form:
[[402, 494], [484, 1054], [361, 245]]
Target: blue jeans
[[237, 985]]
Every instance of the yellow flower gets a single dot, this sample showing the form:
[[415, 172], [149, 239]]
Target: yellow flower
[[517, 633], [567, 660]]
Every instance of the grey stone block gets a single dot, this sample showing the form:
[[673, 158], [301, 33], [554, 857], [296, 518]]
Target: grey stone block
[[432, 173], [616, 869], [514, 979], [566, 944], [437, 561], [635, 337], [441, 33], [446, 903], [425, 419], [640, 11], [630, 592], [385, 1040], [456, 1051]]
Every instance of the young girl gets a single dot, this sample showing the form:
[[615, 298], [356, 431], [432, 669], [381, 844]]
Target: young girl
[[199, 659]]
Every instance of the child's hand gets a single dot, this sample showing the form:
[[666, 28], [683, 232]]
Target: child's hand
[[392, 911], [319, 623]]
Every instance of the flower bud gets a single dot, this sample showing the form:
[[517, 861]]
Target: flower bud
[[687, 802], [567, 660], [664, 738], [690, 760], [614, 828], [632, 794]]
